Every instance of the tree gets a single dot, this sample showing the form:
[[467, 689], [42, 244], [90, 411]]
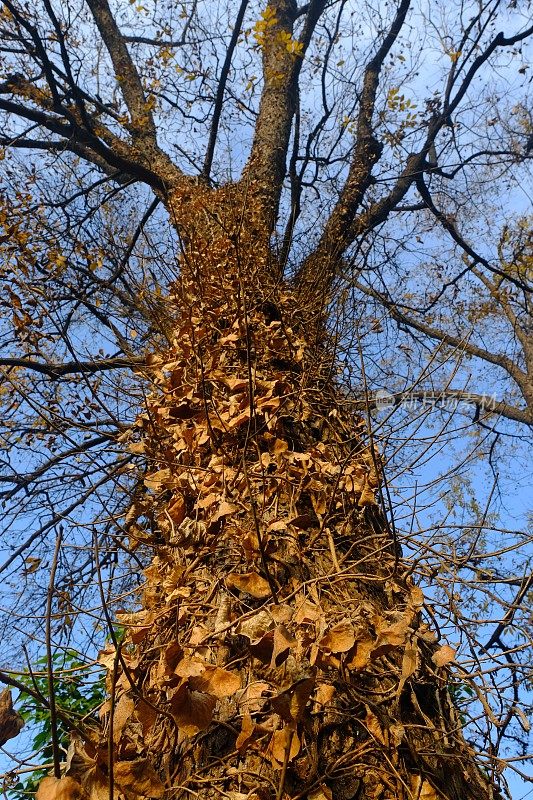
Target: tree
[[186, 389]]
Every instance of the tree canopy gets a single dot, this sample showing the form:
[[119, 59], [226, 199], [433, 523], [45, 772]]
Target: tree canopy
[[358, 177]]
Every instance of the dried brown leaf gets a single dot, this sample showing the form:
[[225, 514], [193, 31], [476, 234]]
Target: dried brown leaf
[[147, 715], [263, 647], [11, 723], [278, 525], [250, 582], [368, 497], [524, 722], [138, 624], [184, 411], [409, 664], [417, 597], [207, 501], [307, 612], [236, 384], [290, 704], [252, 698], [361, 654], [321, 792], [444, 655], [32, 564], [281, 613], [283, 740], [172, 655], [123, 711], [393, 634], [95, 784], [225, 509], [137, 448], [59, 789], [250, 733], [192, 711], [373, 726], [397, 734], [281, 645], [279, 446], [324, 694], [318, 501], [157, 480], [189, 668], [245, 736], [338, 639], [422, 789], [255, 626], [177, 510], [216, 681], [354, 483], [139, 778], [304, 521]]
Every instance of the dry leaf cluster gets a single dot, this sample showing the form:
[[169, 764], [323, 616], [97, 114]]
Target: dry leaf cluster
[[279, 645]]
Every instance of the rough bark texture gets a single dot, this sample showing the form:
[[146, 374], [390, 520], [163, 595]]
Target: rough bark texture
[[279, 651]]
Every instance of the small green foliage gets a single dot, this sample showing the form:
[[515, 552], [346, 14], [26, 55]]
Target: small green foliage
[[77, 692], [460, 693]]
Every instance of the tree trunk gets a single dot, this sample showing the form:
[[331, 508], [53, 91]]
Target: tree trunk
[[279, 651]]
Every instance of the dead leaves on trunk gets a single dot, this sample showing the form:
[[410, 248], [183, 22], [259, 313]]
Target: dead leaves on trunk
[[274, 608]]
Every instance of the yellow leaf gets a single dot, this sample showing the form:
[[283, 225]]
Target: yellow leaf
[[31, 565]]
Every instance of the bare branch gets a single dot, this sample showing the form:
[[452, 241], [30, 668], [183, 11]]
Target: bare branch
[[367, 150], [449, 225], [217, 108], [142, 127], [60, 516], [126, 73], [499, 41], [527, 582], [265, 171], [76, 140], [55, 371], [325, 261], [20, 482], [462, 344]]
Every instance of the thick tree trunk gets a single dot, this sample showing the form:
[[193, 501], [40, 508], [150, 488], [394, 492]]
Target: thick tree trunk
[[279, 651]]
